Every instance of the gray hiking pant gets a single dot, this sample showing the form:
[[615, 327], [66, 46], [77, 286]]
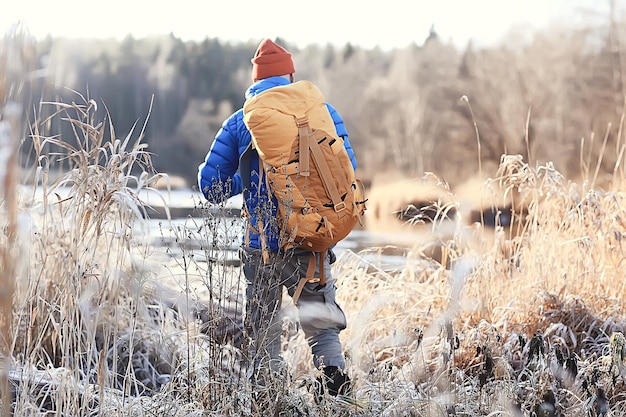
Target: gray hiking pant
[[320, 316]]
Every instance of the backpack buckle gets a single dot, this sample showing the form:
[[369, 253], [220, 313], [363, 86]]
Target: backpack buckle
[[340, 206], [303, 122]]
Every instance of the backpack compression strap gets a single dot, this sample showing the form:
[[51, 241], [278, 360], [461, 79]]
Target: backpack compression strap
[[304, 138], [306, 145]]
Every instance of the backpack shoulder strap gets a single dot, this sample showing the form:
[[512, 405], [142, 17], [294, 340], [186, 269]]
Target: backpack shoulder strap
[[245, 170], [245, 163]]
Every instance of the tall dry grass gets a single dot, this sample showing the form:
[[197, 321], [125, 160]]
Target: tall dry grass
[[493, 332], [106, 322], [8, 249]]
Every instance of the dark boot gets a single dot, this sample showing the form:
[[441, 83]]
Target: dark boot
[[334, 381]]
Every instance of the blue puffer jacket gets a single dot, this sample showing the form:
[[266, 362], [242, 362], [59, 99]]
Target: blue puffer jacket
[[218, 177]]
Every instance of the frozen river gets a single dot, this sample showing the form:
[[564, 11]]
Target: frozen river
[[195, 226]]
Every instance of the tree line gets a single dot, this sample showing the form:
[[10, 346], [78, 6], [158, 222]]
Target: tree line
[[429, 107]]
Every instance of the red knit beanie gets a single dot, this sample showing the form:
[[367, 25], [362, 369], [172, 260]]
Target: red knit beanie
[[271, 59]]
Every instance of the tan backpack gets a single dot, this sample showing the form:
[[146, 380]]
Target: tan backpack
[[307, 167]]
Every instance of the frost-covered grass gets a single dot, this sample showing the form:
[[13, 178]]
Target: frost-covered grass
[[105, 322]]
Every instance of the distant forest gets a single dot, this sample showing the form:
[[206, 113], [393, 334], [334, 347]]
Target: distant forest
[[556, 96]]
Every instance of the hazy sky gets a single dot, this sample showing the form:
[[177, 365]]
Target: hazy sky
[[386, 23]]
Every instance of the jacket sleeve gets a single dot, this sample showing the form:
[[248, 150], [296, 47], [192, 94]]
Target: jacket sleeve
[[342, 132], [217, 175]]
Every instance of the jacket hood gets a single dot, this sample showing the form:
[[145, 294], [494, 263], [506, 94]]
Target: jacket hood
[[262, 85]]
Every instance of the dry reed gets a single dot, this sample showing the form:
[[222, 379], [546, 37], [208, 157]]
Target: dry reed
[[462, 337], [104, 322]]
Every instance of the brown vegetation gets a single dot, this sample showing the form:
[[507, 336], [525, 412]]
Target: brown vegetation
[[105, 321]]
